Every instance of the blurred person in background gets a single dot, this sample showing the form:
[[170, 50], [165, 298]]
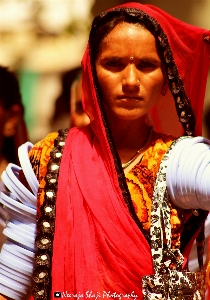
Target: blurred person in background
[[61, 115], [78, 116], [68, 111], [12, 126]]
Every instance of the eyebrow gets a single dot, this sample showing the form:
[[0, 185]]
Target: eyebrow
[[111, 57], [150, 59], [143, 59]]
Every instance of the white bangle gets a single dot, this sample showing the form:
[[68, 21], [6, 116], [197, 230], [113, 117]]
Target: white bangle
[[18, 251], [188, 173]]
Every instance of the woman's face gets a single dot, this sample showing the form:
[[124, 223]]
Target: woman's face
[[129, 72]]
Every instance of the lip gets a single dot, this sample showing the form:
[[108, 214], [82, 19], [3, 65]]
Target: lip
[[129, 98]]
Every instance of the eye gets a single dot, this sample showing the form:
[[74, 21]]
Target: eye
[[113, 63], [146, 65]]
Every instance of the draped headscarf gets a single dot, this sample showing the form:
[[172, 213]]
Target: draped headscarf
[[98, 244]]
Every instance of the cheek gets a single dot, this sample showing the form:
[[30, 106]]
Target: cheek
[[155, 83], [106, 85]]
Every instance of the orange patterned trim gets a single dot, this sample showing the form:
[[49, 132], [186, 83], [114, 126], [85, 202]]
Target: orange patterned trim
[[208, 274]]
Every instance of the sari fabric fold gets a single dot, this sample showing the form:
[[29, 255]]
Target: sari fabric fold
[[99, 247]]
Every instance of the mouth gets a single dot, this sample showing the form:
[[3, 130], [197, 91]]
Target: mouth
[[129, 98]]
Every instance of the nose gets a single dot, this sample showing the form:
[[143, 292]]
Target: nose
[[130, 78]]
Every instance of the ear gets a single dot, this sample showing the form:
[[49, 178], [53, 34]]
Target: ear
[[13, 116]]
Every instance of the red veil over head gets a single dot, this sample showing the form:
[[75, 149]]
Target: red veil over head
[[98, 245]]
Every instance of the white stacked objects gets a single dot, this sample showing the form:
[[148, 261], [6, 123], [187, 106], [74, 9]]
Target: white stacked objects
[[188, 173], [17, 253], [26, 166]]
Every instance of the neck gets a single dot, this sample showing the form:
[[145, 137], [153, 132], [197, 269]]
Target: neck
[[129, 137]]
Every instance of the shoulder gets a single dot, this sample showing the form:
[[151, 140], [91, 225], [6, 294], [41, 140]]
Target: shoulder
[[40, 154], [158, 146], [161, 140]]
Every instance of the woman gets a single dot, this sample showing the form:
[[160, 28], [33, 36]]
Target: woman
[[98, 243]]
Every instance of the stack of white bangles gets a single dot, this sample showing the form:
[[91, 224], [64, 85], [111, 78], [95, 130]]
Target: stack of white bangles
[[188, 183], [18, 251], [188, 173]]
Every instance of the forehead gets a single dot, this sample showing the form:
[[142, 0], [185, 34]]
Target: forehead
[[130, 38]]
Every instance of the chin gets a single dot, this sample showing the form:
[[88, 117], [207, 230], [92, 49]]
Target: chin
[[125, 114], [129, 117], [132, 114]]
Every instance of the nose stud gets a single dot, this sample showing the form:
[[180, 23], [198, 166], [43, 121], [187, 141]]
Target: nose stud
[[131, 58]]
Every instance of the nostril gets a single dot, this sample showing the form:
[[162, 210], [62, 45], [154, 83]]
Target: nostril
[[131, 83], [133, 88]]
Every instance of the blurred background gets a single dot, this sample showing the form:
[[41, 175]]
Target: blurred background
[[43, 41]]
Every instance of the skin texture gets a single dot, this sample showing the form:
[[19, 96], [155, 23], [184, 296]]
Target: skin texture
[[78, 116], [131, 77], [130, 87]]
